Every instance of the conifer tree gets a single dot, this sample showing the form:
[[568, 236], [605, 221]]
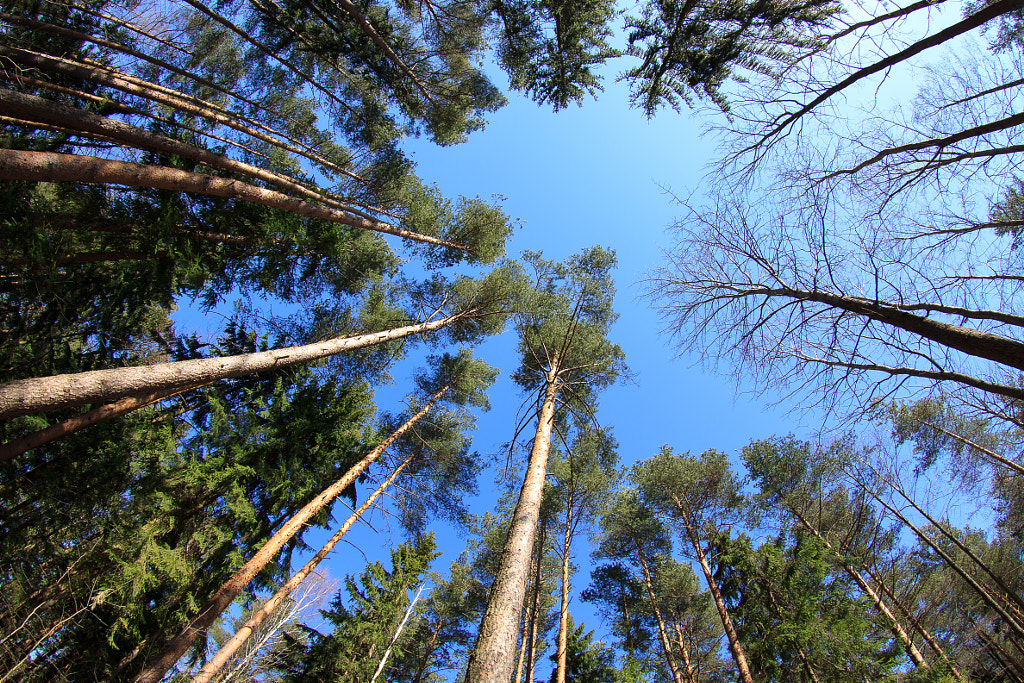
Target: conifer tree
[[566, 359]]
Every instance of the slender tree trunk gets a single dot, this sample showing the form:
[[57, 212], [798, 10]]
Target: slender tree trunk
[[563, 611], [41, 394], [492, 657], [538, 583], [894, 625], [523, 636], [37, 109], [80, 168], [242, 634], [914, 623], [723, 612], [666, 646], [213, 608], [684, 650], [982, 592]]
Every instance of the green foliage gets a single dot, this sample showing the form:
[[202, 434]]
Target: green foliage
[[365, 621], [587, 660], [692, 47], [794, 611]]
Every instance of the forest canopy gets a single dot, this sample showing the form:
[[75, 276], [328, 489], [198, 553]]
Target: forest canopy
[[172, 501]]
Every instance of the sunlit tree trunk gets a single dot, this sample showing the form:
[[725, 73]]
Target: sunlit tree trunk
[[215, 606], [492, 658]]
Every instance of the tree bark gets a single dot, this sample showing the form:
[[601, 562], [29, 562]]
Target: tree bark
[[563, 611], [16, 447], [723, 612], [80, 168], [37, 109], [659, 618], [42, 394], [492, 658], [242, 634], [538, 582], [176, 648]]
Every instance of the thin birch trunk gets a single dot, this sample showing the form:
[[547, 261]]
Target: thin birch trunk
[[492, 658], [249, 627], [42, 394], [177, 646]]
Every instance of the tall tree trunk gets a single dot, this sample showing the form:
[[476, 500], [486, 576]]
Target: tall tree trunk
[[723, 612], [563, 611], [538, 583], [523, 636], [41, 394], [894, 625], [492, 657], [80, 168], [242, 634], [666, 646], [983, 592], [213, 608], [914, 623], [16, 447], [684, 650]]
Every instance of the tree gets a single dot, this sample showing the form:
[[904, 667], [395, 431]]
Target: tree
[[566, 359], [367, 627], [583, 480], [852, 259], [701, 495], [584, 661], [630, 533], [798, 618], [459, 379]]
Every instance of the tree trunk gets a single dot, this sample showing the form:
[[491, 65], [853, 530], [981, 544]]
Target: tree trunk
[[16, 447], [213, 608], [684, 650], [538, 582], [662, 628], [37, 109], [242, 634], [492, 658], [80, 168], [563, 611], [928, 638], [723, 612], [41, 394], [894, 625]]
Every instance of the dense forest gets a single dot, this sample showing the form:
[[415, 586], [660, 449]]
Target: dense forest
[[170, 499]]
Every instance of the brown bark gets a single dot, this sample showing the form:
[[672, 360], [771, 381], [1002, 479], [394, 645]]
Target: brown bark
[[176, 647], [563, 611], [242, 634], [100, 74], [723, 612], [16, 447], [80, 168], [684, 650], [41, 394], [521, 660], [538, 583], [491, 659], [37, 109], [1002, 350], [659, 618]]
